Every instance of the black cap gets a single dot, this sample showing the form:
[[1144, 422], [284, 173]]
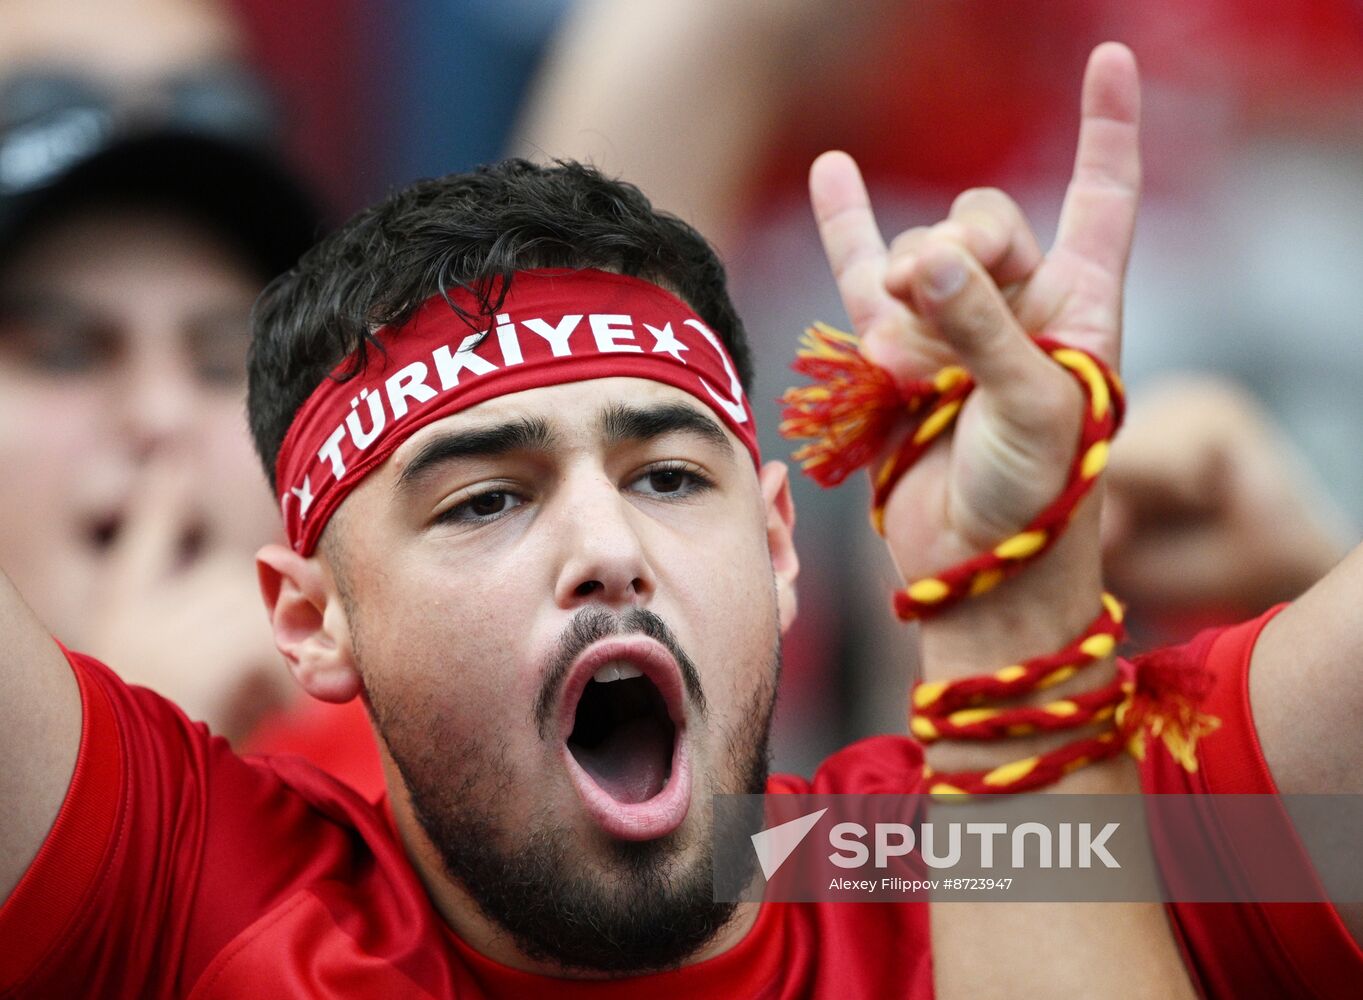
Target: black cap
[[200, 145]]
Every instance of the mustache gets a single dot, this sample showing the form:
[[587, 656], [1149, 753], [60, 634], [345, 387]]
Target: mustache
[[593, 624]]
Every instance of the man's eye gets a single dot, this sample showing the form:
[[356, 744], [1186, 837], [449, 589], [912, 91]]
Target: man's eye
[[667, 480], [483, 507], [671, 481]]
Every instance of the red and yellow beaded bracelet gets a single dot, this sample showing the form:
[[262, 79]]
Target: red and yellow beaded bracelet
[[850, 413], [957, 709], [1159, 697], [1154, 698]]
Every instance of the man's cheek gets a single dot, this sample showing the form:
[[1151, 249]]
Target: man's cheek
[[470, 669]]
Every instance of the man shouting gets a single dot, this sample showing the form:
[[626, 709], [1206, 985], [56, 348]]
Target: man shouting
[[506, 421]]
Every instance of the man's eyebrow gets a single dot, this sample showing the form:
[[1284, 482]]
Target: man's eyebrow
[[526, 434], [621, 423]]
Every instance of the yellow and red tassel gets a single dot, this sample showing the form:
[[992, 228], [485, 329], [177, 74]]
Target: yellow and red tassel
[[849, 411]]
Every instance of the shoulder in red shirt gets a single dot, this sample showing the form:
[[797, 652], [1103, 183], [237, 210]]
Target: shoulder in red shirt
[[1237, 950]]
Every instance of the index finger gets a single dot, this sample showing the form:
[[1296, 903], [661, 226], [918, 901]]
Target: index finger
[[155, 521], [1099, 215], [851, 239]]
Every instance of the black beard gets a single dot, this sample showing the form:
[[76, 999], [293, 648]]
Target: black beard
[[651, 913]]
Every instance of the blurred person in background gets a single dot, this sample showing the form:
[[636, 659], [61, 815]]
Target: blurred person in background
[[142, 208]]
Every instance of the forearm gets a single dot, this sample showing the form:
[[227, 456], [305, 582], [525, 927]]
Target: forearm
[[1062, 949]]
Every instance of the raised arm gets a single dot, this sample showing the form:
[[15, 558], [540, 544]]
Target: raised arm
[[40, 719], [969, 291]]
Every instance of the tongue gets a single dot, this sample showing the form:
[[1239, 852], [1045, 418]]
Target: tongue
[[632, 764]]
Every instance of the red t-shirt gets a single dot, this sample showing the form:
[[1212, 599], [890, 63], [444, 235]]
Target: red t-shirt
[[176, 868], [1248, 949]]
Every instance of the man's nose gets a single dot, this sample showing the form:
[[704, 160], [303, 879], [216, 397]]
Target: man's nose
[[604, 559]]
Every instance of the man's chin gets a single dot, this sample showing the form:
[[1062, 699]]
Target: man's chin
[[569, 894], [593, 904]]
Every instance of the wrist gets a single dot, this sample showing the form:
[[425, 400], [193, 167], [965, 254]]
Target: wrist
[[1039, 610]]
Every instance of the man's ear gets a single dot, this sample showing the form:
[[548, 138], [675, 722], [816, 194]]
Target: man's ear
[[309, 620], [774, 479]]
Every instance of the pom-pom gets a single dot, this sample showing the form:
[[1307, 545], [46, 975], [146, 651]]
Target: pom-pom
[[848, 413]]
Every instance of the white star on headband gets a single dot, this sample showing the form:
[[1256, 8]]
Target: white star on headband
[[666, 342]]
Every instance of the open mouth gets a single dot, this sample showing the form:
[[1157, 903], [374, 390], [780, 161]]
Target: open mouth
[[623, 726], [622, 735]]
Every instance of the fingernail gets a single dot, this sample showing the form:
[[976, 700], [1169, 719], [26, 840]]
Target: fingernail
[[945, 277]]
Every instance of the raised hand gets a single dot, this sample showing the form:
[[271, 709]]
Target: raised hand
[[970, 290]]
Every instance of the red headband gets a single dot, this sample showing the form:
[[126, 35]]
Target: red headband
[[554, 326]]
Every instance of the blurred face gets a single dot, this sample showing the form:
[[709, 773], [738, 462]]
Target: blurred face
[[564, 608], [122, 341]]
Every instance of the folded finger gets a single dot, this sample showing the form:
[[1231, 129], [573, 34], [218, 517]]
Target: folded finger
[[952, 291], [997, 234]]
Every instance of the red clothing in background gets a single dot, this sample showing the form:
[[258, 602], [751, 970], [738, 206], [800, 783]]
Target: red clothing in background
[[337, 738]]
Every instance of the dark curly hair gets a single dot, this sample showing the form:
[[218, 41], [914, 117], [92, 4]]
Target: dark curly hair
[[469, 231]]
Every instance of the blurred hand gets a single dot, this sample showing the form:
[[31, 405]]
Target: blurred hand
[[1210, 509], [970, 290], [178, 615]]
